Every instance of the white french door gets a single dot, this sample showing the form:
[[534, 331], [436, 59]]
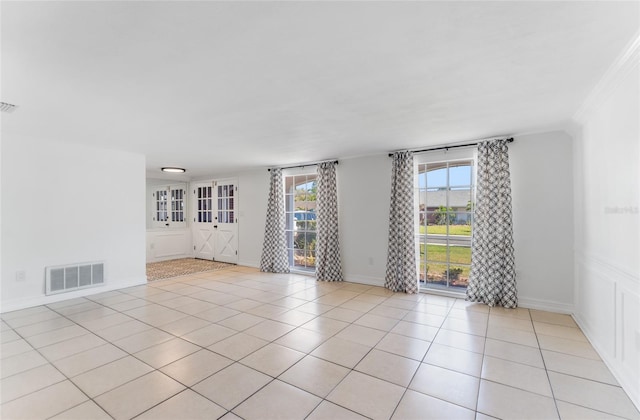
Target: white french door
[[226, 232], [215, 224], [203, 221]]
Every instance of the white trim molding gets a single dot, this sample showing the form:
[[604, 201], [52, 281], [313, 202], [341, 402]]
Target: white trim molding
[[626, 62], [368, 280], [29, 302], [545, 305], [252, 264]]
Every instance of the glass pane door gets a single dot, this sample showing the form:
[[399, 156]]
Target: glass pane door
[[204, 204], [300, 207], [445, 223]]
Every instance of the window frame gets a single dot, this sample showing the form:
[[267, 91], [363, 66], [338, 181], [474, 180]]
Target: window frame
[[203, 203], [446, 157], [174, 207], [292, 227]]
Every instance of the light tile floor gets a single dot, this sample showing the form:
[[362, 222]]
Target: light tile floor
[[238, 343]]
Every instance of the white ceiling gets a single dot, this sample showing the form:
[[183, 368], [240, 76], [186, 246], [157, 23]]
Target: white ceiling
[[221, 86]]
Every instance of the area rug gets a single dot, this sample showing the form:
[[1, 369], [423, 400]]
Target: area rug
[[181, 267]]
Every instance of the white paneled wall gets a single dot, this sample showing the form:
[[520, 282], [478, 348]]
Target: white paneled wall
[[169, 244], [608, 311], [607, 220]]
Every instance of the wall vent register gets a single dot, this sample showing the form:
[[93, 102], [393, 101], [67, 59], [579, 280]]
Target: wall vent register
[[72, 277]]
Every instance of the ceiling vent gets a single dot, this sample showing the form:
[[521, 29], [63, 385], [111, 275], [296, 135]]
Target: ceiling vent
[[5, 107]]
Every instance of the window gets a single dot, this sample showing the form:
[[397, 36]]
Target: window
[[177, 205], [226, 203], [300, 207], [204, 203], [169, 206], [162, 214], [445, 191]]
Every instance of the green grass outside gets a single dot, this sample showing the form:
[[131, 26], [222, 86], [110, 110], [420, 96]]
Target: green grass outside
[[457, 254], [437, 255], [463, 230]]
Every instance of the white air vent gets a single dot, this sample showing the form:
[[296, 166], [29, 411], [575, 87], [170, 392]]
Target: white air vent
[[66, 278], [5, 107]]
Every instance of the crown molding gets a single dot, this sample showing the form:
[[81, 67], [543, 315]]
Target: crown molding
[[624, 64]]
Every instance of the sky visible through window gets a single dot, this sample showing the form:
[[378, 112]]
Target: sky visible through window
[[305, 186], [458, 176]]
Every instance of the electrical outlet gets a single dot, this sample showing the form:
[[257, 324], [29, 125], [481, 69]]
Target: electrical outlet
[[152, 246], [370, 261], [21, 275]]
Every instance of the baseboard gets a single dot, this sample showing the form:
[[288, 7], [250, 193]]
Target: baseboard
[[445, 293], [168, 258], [252, 264], [628, 381], [17, 304], [546, 305], [543, 305], [369, 280]]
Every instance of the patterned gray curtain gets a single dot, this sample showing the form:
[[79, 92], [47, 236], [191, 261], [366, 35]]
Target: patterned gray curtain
[[328, 263], [402, 275], [274, 250], [493, 278]]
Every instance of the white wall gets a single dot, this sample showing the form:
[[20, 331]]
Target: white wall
[[364, 185], [253, 193], [607, 233], [363, 195], [64, 204], [541, 167], [541, 176], [363, 189], [541, 182], [542, 191]]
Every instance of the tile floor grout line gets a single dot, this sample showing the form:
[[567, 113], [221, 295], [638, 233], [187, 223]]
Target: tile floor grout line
[[128, 354], [156, 369], [352, 369], [546, 371], [67, 378], [281, 291], [407, 388]]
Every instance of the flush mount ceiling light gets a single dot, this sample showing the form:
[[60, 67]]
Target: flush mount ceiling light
[[5, 107], [173, 169]]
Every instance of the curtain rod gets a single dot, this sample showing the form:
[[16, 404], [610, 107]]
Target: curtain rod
[[509, 140], [306, 164]]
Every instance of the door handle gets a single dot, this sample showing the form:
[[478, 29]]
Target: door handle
[[215, 226]]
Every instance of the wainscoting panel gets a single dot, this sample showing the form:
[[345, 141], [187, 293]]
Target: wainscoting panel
[[597, 306], [168, 244], [608, 311], [630, 330]]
